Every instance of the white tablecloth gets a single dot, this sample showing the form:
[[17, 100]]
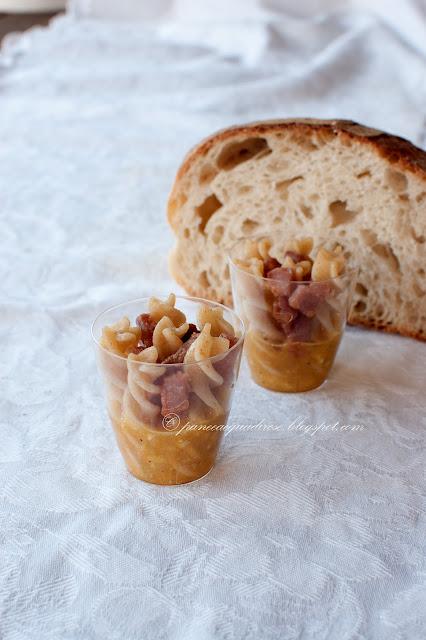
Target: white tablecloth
[[294, 534]]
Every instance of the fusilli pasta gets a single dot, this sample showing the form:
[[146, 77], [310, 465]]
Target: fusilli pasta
[[120, 338], [214, 317], [203, 375], [167, 337], [251, 265], [139, 402], [158, 309]]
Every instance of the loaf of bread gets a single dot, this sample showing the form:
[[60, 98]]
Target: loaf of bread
[[330, 179]]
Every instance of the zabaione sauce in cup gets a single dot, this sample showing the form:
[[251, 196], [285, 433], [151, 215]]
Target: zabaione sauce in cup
[[169, 382]]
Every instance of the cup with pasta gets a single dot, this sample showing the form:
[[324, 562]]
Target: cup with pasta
[[169, 382], [294, 300]]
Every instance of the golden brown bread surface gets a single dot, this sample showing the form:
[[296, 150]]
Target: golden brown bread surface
[[331, 179]]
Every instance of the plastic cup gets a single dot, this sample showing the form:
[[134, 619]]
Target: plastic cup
[[295, 354], [158, 446]]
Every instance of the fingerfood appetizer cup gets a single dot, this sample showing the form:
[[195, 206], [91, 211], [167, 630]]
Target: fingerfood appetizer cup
[[294, 302], [168, 382]]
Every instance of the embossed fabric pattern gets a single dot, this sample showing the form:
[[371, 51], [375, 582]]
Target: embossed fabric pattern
[[312, 524]]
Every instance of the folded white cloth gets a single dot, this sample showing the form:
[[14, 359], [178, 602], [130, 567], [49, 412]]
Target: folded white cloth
[[294, 534], [407, 18]]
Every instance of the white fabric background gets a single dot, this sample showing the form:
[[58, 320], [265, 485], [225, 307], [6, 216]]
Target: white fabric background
[[292, 535]]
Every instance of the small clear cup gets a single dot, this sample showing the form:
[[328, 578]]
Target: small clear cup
[[179, 446], [286, 350]]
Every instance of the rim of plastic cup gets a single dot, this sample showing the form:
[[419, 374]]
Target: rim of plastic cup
[[146, 299], [349, 272]]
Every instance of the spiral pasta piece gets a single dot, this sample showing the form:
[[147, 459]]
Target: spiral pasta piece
[[255, 308], [159, 308], [251, 265], [257, 248], [214, 317], [256, 314], [328, 264], [202, 374], [141, 400], [120, 338], [167, 338], [302, 246], [115, 383]]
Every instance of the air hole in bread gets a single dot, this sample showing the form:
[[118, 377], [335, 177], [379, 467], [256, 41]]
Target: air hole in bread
[[379, 310], [404, 197], [339, 212], [384, 251], [235, 153], [396, 180], [217, 234], [360, 306], [364, 174], [226, 272], [421, 272], [369, 237], [283, 186], [360, 289], [203, 279], [314, 197], [249, 226], [206, 210], [419, 239], [421, 197], [245, 188], [307, 211], [186, 232], [277, 220], [207, 173]]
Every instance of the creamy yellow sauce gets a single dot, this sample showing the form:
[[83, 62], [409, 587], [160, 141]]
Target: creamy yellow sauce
[[290, 366], [170, 457]]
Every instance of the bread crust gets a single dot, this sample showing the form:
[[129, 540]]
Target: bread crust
[[368, 323], [394, 149], [397, 151]]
